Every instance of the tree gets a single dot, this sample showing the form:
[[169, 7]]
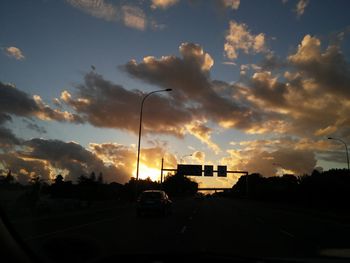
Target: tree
[[9, 178], [58, 179], [82, 179], [100, 178], [180, 185], [92, 177]]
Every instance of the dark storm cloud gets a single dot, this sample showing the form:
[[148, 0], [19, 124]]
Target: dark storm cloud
[[25, 169], [259, 160], [7, 138], [16, 102], [105, 104], [35, 127], [70, 156], [311, 99], [333, 156], [272, 62], [189, 78], [328, 68], [4, 118]]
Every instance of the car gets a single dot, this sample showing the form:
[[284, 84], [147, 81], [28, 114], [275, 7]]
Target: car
[[153, 201]]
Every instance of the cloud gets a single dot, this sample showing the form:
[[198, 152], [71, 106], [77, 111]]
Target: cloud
[[199, 156], [47, 158], [328, 69], [124, 158], [268, 156], [14, 52], [134, 17], [288, 142], [156, 26], [35, 127], [229, 63], [195, 99], [309, 99], [16, 102], [232, 4], [7, 138], [163, 4], [130, 15], [193, 90], [300, 8], [97, 8], [105, 104], [239, 38], [272, 62], [25, 169], [71, 157], [203, 133]]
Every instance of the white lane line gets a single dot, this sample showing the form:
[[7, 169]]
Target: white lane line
[[287, 233], [183, 229], [70, 228]]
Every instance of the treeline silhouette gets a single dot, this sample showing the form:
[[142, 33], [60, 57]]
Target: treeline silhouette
[[320, 189], [89, 189], [324, 189]]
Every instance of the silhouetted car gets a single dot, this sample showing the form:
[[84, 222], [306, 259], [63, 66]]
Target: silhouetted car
[[154, 201]]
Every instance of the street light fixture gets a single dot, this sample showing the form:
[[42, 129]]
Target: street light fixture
[[182, 157], [346, 148], [140, 130]]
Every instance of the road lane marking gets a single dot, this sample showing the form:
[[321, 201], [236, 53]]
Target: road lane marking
[[183, 229], [70, 228], [287, 233]]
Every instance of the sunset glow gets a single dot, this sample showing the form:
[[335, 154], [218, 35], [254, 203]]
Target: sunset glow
[[145, 172], [243, 91]]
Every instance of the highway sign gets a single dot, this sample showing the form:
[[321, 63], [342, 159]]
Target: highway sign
[[189, 169], [222, 170], [208, 170]]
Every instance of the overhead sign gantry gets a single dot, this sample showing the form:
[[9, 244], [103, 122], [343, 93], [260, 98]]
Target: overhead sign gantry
[[200, 170]]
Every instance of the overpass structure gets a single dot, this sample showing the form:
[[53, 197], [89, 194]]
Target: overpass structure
[[213, 189]]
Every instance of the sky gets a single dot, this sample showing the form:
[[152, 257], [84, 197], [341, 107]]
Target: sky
[[258, 86]]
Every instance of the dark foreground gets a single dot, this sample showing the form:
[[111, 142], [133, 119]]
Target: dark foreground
[[207, 226]]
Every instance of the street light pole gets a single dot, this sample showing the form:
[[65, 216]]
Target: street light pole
[[346, 148], [140, 131]]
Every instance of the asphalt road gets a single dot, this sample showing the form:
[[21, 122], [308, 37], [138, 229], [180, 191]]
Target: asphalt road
[[197, 226]]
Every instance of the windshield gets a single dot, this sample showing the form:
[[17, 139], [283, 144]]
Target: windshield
[[235, 112]]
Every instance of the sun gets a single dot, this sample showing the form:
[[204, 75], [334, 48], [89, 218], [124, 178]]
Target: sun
[[146, 171]]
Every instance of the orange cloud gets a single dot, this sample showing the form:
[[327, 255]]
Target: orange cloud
[[162, 4], [14, 52], [240, 38]]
